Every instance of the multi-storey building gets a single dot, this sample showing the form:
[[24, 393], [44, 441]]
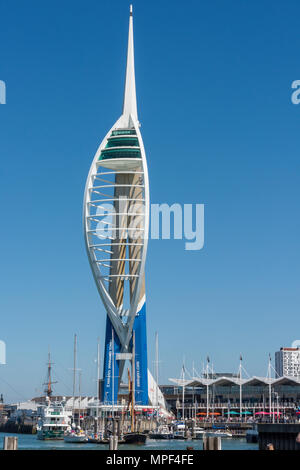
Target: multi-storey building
[[287, 362]]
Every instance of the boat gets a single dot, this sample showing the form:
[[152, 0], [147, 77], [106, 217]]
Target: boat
[[76, 436], [198, 433], [135, 438], [54, 420], [97, 440], [163, 432], [179, 433], [218, 433], [179, 436]]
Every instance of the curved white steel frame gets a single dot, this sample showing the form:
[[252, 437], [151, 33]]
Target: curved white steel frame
[[100, 189]]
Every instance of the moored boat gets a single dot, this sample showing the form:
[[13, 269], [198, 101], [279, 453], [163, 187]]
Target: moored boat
[[135, 438], [163, 432], [54, 420], [198, 433], [218, 433], [76, 437]]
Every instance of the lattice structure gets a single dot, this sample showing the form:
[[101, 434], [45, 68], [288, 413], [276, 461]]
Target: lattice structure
[[116, 220]]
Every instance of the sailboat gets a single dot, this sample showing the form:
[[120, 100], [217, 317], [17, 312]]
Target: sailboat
[[75, 434], [97, 436], [133, 437]]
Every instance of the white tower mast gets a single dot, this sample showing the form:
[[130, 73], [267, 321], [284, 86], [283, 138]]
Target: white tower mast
[[119, 172]]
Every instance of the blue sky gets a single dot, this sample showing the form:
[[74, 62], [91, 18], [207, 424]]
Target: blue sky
[[214, 98]]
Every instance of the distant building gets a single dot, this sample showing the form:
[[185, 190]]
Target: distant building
[[287, 362]]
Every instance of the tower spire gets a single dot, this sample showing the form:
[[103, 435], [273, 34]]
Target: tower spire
[[129, 105]]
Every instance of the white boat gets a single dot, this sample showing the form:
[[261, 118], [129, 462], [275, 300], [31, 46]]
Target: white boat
[[162, 432], [179, 431], [218, 433], [198, 432], [76, 437], [54, 420]]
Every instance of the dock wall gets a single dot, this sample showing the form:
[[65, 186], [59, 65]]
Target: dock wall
[[282, 436]]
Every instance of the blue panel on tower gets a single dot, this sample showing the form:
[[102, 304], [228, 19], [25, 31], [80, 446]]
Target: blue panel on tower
[[141, 362], [111, 366]]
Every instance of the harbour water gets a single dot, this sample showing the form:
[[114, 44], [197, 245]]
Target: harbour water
[[30, 442]]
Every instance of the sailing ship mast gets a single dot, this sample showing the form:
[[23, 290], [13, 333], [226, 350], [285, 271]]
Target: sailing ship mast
[[48, 390], [131, 385]]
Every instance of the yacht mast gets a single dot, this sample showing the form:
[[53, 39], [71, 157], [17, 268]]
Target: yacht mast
[[156, 367], [98, 382], [79, 401], [74, 374]]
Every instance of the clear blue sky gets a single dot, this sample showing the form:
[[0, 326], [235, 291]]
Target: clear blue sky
[[214, 86]]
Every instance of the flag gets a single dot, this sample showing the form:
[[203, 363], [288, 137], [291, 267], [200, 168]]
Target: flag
[[207, 359], [241, 357]]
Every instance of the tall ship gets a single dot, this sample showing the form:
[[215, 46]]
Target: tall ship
[[54, 420]]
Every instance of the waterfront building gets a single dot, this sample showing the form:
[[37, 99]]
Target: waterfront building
[[116, 220], [287, 362], [225, 394]]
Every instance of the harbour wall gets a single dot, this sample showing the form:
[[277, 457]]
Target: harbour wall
[[17, 428], [282, 436]]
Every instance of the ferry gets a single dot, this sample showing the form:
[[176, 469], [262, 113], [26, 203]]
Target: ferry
[[54, 420]]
